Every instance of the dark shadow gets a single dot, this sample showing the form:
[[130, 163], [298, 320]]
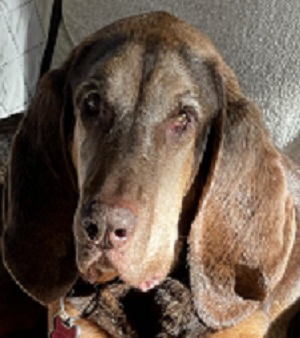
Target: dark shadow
[[288, 323]]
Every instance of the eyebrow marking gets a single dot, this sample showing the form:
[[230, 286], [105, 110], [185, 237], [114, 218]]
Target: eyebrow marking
[[95, 54], [150, 58], [203, 73]]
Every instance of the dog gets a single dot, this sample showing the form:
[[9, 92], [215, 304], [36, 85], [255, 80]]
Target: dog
[[141, 161]]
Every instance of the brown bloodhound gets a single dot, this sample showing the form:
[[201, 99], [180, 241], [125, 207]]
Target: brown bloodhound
[[141, 163]]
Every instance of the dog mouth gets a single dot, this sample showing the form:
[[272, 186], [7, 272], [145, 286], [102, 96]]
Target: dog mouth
[[93, 264], [98, 270], [97, 266]]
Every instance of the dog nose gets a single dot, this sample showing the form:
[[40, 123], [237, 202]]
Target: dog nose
[[91, 229], [111, 226], [89, 221]]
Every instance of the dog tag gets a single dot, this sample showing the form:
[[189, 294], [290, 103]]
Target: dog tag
[[63, 329]]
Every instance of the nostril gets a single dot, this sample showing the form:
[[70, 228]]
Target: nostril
[[120, 234], [91, 230]]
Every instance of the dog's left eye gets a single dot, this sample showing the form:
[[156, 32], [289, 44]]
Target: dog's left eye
[[183, 119]]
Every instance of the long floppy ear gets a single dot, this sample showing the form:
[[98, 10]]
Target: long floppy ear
[[244, 229], [38, 245]]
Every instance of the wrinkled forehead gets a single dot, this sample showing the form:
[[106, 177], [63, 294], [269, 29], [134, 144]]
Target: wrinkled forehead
[[146, 72]]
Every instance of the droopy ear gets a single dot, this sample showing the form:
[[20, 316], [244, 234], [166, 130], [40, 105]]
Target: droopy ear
[[244, 229], [38, 245]]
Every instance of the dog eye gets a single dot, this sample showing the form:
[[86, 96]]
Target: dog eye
[[92, 104], [96, 111], [183, 119]]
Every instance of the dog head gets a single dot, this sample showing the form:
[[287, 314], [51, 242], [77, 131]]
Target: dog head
[[142, 127]]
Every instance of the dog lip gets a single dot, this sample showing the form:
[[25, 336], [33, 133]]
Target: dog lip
[[150, 284], [94, 265], [132, 275], [95, 275], [101, 266]]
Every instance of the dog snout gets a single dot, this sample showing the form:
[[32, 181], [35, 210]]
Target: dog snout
[[109, 226]]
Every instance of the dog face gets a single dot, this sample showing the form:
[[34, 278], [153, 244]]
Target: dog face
[[143, 128]]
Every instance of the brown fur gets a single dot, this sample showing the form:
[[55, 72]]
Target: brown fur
[[178, 151], [18, 312]]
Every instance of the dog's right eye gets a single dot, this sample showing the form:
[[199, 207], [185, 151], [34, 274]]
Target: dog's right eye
[[96, 111], [92, 104]]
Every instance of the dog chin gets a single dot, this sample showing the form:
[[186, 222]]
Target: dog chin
[[98, 267], [134, 275], [95, 274]]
